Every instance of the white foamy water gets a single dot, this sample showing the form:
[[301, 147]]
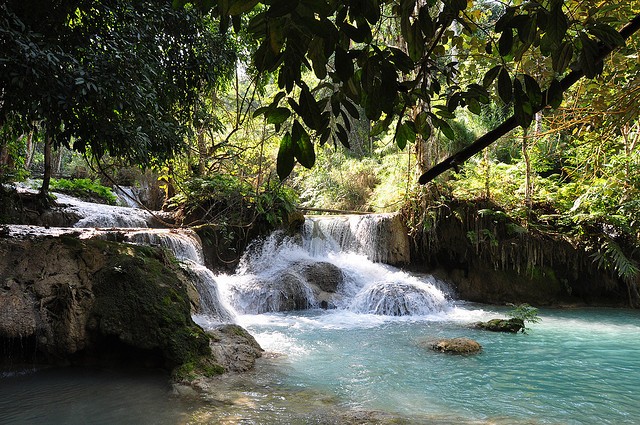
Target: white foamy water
[[270, 270], [103, 216]]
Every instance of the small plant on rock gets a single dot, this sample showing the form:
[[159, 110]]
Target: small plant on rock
[[525, 313]]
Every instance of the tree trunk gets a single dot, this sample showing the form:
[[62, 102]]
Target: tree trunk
[[56, 163], [30, 150], [4, 158], [202, 153], [527, 170], [46, 177], [487, 174]]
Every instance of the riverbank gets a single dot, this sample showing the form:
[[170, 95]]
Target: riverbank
[[491, 258]]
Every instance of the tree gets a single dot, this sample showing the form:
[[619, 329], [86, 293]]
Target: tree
[[115, 77], [337, 41]]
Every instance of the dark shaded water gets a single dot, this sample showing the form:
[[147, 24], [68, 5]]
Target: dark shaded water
[[70, 396]]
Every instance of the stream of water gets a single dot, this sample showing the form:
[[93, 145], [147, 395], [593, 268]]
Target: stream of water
[[577, 366], [366, 360]]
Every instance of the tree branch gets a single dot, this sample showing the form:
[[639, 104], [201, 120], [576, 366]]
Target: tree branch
[[508, 125]]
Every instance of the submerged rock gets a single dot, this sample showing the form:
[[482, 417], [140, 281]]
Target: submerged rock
[[399, 299], [456, 346], [501, 325]]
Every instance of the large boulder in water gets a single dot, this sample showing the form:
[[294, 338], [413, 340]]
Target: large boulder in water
[[288, 291], [321, 274], [299, 286], [233, 348], [456, 346]]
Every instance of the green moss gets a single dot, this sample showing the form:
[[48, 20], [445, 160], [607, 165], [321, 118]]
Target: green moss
[[141, 300], [191, 370]]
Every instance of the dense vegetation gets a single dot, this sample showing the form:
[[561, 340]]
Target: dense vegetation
[[223, 98]]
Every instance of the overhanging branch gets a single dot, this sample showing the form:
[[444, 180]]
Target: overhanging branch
[[508, 125]]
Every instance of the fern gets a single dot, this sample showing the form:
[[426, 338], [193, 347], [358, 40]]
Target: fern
[[611, 257]]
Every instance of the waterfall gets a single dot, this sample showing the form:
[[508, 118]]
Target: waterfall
[[334, 264], [187, 248], [382, 238], [103, 216], [184, 244], [127, 196], [131, 225]]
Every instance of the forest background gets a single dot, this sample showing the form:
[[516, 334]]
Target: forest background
[[218, 100]]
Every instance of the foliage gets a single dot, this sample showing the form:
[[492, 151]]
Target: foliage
[[526, 313], [610, 256], [108, 76], [228, 201], [85, 189], [346, 47], [340, 182]]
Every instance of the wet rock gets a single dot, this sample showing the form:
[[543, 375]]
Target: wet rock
[[287, 292], [302, 285], [17, 314], [233, 348], [325, 276], [399, 299], [501, 325], [456, 346]]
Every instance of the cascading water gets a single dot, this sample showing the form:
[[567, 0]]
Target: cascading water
[[364, 359], [104, 216], [187, 247], [132, 225], [283, 273], [382, 238]]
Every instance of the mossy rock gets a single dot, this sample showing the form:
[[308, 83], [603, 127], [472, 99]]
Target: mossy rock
[[457, 346], [192, 370], [501, 325], [140, 299]]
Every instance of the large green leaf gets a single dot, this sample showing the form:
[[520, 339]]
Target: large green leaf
[[557, 23], [561, 58], [277, 116], [302, 147], [343, 64], [286, 158], [554, 94], [505, 87], [404, 134], [505, 43], [522, 107], [588, 61], [238, 7]]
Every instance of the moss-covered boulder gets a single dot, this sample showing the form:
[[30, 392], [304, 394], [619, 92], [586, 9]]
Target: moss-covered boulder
[[501, 325], [69, 300], [141, 301], [456, 346]]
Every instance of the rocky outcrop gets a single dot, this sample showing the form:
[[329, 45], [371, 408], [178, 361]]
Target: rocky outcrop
[[456, 346], [491, 259], [501, 325], [322, 278], [67, 300], [233, 348]]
